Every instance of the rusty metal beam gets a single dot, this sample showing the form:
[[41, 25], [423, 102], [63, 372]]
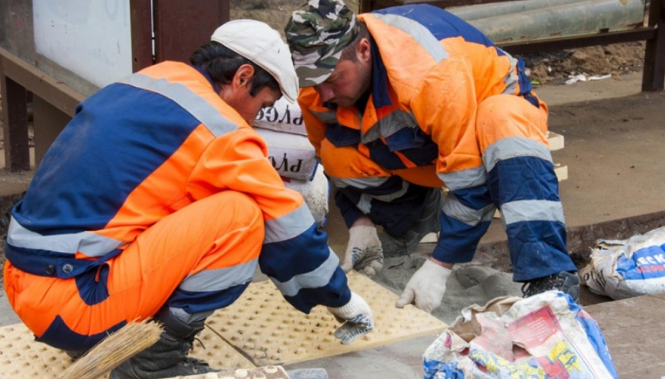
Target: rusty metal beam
[[141, 22], [370, 5], [15, 122], [654, 55], [182, 26], [554, 44]]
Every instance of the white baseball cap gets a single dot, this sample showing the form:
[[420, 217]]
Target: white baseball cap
[[262, 45]]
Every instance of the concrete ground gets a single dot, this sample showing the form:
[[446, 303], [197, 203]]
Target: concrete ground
[[614, 149]]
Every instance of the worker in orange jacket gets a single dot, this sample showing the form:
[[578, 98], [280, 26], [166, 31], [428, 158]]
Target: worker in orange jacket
[[405, 100], [158, 200]]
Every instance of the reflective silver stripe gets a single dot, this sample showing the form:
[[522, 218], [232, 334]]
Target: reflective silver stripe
[[468, 178], [532, 210], [512, 147], [90, 244], [365, 204], [329, 117], [418, 32], [183, 96], [389, 125], [189, 318], [453, 208], [360, 183], [313, 279], [220, 279], [289, 225], [511, 80]]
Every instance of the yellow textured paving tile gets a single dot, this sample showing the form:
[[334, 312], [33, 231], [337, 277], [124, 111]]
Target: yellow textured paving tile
[[23, 357], [219, 354], [271, 331], [267, 372]]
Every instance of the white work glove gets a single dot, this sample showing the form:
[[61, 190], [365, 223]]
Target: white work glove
[[426, 287], [364, 251], [358, 317]]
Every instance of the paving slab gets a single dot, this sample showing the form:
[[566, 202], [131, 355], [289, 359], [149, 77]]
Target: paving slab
[[634, 331]]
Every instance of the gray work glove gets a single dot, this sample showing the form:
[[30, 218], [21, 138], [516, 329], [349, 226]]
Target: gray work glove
[[363, 252], [357, 317], [426, 287]]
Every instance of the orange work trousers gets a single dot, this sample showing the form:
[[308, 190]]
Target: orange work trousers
[[220, 231]]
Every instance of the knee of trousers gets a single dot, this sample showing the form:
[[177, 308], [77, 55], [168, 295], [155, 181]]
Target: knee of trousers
[[237, 205]]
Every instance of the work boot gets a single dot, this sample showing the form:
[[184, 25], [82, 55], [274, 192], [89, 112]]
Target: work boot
[[564, 281], [428, 222], [167, 358]]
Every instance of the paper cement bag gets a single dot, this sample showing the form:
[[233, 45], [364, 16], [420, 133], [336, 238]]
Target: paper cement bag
[[316, 193], [626, 268], [544, 336], [284, 117], [293, 156]]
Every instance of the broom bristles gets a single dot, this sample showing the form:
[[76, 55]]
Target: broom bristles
[[128, 341]]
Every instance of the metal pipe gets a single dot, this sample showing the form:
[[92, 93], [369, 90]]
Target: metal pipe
[[477, 11], [579, 18]]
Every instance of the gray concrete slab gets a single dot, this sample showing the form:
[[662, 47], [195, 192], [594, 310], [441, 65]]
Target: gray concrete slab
[[634, 330], [7, 315]]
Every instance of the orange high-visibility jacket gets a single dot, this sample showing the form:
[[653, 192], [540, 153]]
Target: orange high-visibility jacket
[[431, 74]]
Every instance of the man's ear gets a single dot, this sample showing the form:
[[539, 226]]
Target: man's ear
[[364, 50], [243, 75]]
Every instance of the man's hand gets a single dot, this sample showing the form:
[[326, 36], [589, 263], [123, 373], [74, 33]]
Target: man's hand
[[426, 287], [363, 252], [358, 317]]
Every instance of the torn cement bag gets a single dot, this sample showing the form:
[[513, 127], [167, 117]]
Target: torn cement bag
[[544, 336], [315, 192], [284, 117], [626, 268], [293, 156]]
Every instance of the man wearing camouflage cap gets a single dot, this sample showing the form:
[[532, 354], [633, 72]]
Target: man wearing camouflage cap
[[406, 100]]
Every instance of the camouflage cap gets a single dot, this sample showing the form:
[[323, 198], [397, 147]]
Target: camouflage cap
[[317, 33]]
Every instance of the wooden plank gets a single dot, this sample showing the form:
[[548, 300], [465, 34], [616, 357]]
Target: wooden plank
[[556, 141], [48, 122], [38, 82]]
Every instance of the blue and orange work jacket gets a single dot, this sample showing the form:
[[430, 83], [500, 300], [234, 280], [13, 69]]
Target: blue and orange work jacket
[[431, 71], [145, 148]]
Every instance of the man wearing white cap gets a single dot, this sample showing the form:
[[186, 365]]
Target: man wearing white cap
[[158, 200]]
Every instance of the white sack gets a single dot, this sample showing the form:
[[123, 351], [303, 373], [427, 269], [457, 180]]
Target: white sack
[[316, 193], [626, 268], [284, 116], [290, 154]]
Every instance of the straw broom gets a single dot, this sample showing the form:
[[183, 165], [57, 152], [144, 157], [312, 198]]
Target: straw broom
[[128, 341]]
